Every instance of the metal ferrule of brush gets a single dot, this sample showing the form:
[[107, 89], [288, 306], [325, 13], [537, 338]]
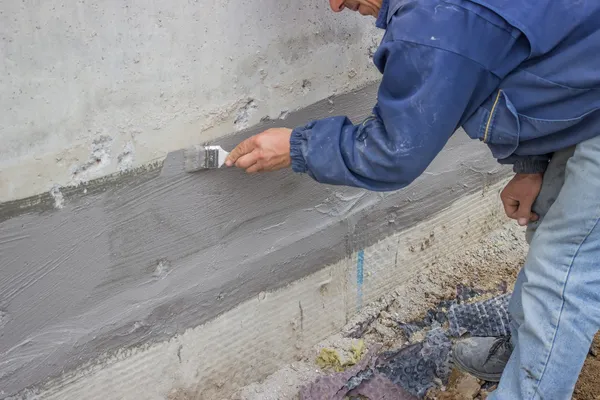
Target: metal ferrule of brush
[[211, 157], [204, 157]]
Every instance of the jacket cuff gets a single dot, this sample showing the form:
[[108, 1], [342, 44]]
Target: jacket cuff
[[527, 165], [298, 149]]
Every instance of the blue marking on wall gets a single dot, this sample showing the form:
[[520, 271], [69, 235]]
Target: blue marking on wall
[[360, 261]]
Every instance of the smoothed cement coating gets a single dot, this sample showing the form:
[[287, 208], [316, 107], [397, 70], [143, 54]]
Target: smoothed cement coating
[[143, 256]]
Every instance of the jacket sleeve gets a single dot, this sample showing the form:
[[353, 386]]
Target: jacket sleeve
[[528, 164], [424, 96]]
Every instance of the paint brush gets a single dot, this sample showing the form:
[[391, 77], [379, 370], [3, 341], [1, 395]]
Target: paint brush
[[201, 157]]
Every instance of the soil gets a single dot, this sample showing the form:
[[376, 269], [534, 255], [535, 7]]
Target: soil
[[489, 267], [588, 387]]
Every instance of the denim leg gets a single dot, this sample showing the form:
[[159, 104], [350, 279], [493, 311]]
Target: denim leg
[[560, 289], [554, 179]]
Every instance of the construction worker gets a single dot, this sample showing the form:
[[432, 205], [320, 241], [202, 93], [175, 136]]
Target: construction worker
[[523, 76]]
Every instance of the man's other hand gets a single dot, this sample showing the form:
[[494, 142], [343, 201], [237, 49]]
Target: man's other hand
[[267, 151], [518, 197]]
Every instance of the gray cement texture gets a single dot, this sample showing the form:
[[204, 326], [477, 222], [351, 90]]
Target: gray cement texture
[[137, 258]]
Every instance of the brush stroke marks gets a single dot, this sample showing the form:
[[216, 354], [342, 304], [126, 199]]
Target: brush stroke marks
[[143, 256]]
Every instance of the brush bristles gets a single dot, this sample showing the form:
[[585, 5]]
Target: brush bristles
[[201, 157]]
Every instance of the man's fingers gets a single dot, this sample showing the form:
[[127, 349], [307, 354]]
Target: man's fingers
[[247, 146], [534, 217], [511, 206], [524, 213], [247, 160], [520, 211], [254, 168], [519, 195]]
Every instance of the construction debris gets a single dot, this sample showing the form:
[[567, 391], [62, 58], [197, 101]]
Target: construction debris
[[418, 368], [421, 366], [486, 318], [407, 373], [411, 314], [359, 380], [331, 359], [461, 386]]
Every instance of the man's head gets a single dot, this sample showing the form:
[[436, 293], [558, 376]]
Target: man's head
[[365, 7]]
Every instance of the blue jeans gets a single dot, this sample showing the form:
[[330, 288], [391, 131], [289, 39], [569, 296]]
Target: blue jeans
[[556, 302]]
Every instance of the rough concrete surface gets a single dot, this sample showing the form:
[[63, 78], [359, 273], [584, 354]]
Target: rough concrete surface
[[94, 87]]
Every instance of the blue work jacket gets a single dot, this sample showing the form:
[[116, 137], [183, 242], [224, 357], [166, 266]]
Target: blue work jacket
[[523, 76]]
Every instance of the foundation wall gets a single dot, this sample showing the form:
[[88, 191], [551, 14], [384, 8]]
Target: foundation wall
[[94, 87], [123, 277], [135, 259]]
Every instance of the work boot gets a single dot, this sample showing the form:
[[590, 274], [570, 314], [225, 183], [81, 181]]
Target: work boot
[[483, 357]]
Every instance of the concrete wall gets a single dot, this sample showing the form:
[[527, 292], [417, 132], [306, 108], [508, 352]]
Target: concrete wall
[[276, 327], [94, 265], [141, 257], [94, 87]]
